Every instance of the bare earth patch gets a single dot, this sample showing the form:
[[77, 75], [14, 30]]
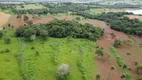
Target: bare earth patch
[[104, 65], [3, 19], [135, 16]]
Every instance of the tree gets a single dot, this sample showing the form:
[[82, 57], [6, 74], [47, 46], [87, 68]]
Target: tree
[[63, 71], [139, 70], [78, 18], [19, 16], [33, 37], [9, 25], [30, 22], [117, 43], [7, 40], [113, 35], [1, 34], [43, 34], [100, 51], [98, 77], [26, 18]]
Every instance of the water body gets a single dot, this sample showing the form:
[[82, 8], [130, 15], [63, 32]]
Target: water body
[[137, 12]]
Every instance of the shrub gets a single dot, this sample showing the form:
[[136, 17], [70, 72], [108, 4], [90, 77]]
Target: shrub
[[1, 34], [37, 53], [139, 70], [117, 43], [84, 77], [135, 63], [32, 47], [123, 76], [7, 40], [30, 22], [128, 53], [7, 50], [98, 77], [77, 18], [139, 77], [63, 71]]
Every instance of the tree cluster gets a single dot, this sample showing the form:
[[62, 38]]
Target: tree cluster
[[61, 29], [118, 21]]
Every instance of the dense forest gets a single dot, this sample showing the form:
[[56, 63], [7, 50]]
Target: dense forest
[[60, 29]]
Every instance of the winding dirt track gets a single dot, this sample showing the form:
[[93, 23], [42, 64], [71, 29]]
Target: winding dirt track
[[3, 19]]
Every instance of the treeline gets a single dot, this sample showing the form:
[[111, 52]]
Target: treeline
[[60, 29], [54, 9], [118, 21]]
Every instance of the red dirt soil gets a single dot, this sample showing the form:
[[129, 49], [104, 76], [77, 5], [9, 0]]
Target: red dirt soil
[[44, 20], [103, 66], [19, 22], [66, 18], [135, 16], [3, 19]]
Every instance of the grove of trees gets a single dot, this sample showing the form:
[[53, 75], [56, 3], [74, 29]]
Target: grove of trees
[[60, 29], [118, 21]]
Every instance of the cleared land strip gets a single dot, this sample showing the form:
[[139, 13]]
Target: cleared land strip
[[3, 19]]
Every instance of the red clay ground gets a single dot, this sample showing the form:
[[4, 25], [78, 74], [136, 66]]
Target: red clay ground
[[19, 22], [3, 19], [104, 65], [106, 41], [135, 16], [66, 18]]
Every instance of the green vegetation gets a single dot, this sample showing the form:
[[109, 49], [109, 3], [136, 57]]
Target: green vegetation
[[117, 21], [29, 6], [35, 60], [96, 11], [117, 43], [100, 51], [59, 29], [120, 64]]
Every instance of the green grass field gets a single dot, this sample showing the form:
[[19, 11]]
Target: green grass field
[[30, 6], [101, 10], [42, 62]]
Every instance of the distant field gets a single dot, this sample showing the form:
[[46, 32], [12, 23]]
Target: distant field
[[99, 11], [51, 54], [30, 6]]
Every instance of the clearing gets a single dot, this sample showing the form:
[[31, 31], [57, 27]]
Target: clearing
[[3, 19]]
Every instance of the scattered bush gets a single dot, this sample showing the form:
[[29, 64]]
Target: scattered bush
[[32, 47], [98, 77], [1, 34], [123, 76], [7, 50], [62, 72], [30, 22], [135, 63], [128, 53], [139, 70], [37, 53], [7, 40], [117, 43], [100, 51], [77, 18]]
